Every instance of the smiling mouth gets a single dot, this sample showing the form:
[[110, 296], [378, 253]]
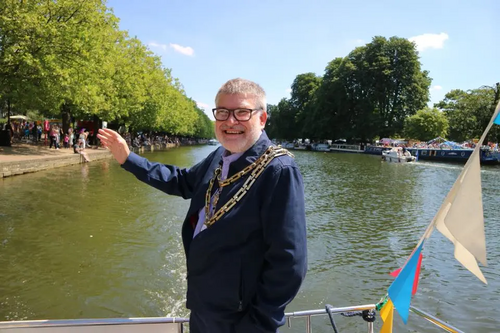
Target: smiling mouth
[[233, 132]]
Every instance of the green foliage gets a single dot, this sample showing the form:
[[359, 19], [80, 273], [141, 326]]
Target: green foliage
[[204, 127], [426, 125], [469, 112], [68, 58], [368, 93], [272, 124], [302, 102]]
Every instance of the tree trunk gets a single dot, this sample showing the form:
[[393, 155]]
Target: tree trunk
[[97, 124], [6, 136], [66, 117], [8, 112]]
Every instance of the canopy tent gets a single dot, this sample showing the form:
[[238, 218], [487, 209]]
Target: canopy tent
[[452, 144], [437, 140], [392, 141], [18, 117]]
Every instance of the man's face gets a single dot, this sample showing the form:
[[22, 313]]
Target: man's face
[[238, 136]]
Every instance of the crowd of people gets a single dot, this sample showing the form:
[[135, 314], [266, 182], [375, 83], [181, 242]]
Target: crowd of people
[[159, 140], [25, 131], [79, 139]]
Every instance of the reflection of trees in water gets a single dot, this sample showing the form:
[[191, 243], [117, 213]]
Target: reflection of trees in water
[[360, 209], [84, 170], [105, 167]]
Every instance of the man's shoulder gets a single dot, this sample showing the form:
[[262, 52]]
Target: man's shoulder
[[283, 162]]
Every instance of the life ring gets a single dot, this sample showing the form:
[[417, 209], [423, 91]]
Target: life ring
[[463, 154], [442, 153]]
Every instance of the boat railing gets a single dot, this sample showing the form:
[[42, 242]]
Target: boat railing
[[176, 325], [360, 308]]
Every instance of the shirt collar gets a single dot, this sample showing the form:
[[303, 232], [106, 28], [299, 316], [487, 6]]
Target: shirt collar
[[227, 157]]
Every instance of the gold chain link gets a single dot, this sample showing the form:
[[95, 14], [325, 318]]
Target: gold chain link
[[258, 167]]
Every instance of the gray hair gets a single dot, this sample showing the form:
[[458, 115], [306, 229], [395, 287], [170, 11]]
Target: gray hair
[[244, 87]]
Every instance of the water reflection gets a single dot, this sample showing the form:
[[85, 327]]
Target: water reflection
[[91, 241]]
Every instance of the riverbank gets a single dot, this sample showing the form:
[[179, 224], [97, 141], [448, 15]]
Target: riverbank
[[25, 158]]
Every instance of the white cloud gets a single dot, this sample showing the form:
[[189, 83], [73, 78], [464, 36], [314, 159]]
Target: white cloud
[[186, 50], [160, 46], [437, 88], [289, 90], [359, 42], [202, 105], [429, 41]]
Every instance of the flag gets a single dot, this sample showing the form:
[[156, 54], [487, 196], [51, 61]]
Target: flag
[[401, 288], [417, 273], [387, 315], [461, 217]]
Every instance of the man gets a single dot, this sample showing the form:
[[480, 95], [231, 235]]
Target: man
[[245, 233]]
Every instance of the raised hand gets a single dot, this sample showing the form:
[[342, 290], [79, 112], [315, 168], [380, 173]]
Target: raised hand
[[115, 143]]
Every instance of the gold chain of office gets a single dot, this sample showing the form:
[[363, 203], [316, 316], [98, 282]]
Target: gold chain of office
[[258, 167]]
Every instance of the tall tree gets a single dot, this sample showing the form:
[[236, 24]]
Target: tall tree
[[302, 101], [326, 118], [272, 124], [397, 86]]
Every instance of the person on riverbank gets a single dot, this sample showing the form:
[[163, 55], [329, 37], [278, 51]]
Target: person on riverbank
[[82, 138], [54, 137], [244, 234]]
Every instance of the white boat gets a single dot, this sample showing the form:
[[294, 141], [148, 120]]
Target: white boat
[[397, 155], [321, 147], [213, 142]]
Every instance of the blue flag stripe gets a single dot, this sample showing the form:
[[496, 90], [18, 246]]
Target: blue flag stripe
[[401, 288]]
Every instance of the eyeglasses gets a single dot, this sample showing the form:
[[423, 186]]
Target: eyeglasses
[[222, 114]]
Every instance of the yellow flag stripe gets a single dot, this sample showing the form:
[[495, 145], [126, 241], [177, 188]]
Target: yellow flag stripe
[[386, 313]]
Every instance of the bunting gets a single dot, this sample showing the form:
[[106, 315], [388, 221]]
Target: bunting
[[387, 314], [417, 273], [400, 291], [460, 219]]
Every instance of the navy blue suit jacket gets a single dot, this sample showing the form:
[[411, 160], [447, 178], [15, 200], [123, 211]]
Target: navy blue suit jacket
[[250, 264]]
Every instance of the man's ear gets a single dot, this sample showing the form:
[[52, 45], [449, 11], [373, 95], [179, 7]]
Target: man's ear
[[263, 118]]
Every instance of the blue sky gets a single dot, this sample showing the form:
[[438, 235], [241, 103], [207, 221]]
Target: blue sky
[[207, 42]]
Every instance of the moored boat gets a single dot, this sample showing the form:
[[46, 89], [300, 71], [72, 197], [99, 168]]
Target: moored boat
[[213, 142], [454, 155], [321, 147], [375, 150], [300, 147]]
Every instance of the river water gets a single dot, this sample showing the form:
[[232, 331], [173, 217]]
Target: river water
[[90, 241]]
